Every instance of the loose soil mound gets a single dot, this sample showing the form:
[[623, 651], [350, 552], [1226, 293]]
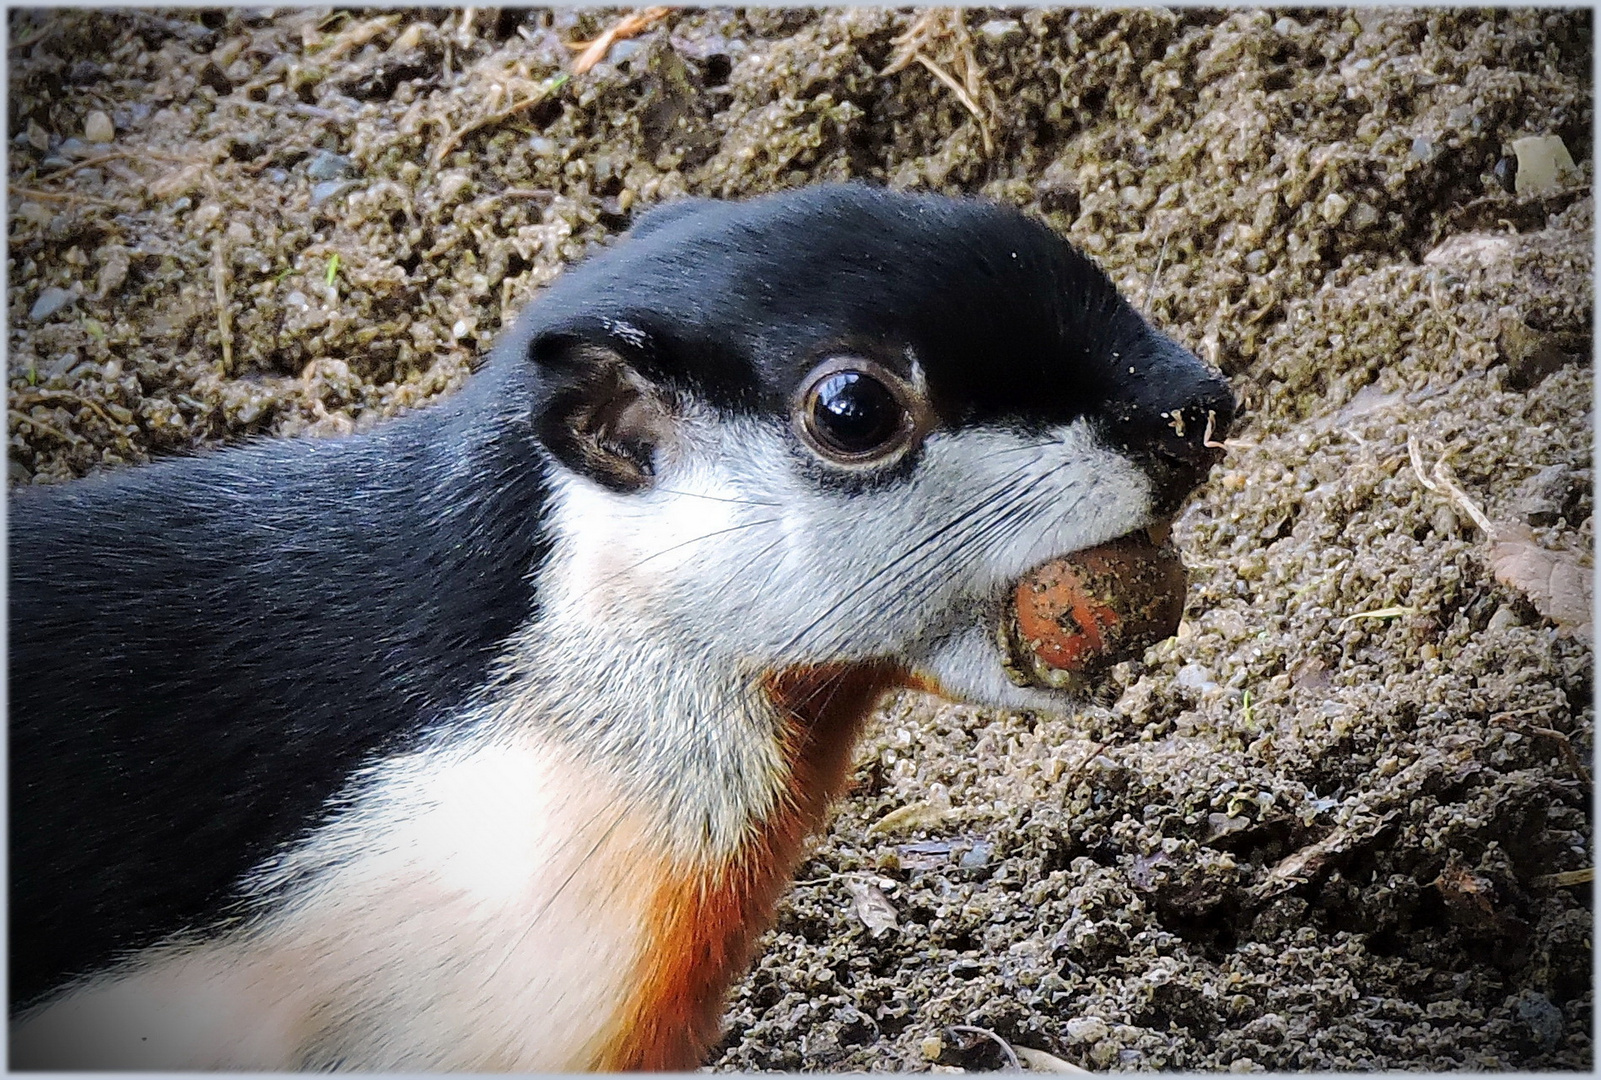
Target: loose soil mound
[[1338, 821]]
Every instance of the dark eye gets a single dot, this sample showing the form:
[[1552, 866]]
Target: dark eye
[[855, 412]]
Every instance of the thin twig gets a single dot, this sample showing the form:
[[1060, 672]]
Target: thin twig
[[1006, 1047], [963, 96], [1565, 878], [1150, 286], [41, 426], [1564, 743], [115, 155], [1416, 454], [63, 197], [41, 396], [454, 138], [219, 292], [630, 25]]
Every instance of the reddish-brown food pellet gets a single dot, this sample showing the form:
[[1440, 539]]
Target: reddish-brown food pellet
[[1093, 608]]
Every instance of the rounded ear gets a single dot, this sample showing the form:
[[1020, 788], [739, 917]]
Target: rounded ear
[[598, 415]]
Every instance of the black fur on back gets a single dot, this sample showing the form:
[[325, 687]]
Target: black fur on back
[[204, 650]]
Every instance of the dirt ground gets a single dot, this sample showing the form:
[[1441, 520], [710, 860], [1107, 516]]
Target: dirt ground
[[1342, 821]]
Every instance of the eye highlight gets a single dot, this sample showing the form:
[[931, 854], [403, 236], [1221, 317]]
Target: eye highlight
[[853, 411]]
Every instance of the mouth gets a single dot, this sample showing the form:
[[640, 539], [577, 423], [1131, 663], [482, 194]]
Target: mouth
[[1073, 617]]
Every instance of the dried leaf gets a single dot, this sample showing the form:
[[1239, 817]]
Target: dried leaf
[[1314, 858], [871, 906], [1469, 898], [1554, 581], [1544, 164], [911, 816], [1380, 613], [1222, 824]]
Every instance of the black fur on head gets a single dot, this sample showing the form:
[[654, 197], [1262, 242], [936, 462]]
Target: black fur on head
[[732, 303], [205, 651]]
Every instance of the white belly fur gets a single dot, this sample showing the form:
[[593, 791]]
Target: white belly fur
[[495, 925]]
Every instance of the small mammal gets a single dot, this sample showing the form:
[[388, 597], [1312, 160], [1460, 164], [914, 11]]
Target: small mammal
[[486, 740]]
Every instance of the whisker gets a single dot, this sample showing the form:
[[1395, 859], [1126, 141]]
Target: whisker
[[716, 498], [914, 551], [752, 561], [1012, 519], [692, 540], [594, 849]]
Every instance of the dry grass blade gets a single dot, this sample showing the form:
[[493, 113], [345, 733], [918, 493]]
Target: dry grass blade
[[962, 95], [70, 438], [1565, 878], [1558, 585], [945, 25], [630, 25], [354, 37], [67, 197], [871, 906], [219, 294], [1040, 1061], [38, 397], [924, 29]]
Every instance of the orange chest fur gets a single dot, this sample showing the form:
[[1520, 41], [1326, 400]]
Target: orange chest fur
[[702, 926]]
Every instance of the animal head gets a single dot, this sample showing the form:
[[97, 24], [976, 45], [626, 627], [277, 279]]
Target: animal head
[[837, 424]]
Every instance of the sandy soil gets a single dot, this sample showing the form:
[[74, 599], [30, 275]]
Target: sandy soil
[[1339, 821]]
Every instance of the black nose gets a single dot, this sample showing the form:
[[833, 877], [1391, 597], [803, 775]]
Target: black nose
[[1171, 415]]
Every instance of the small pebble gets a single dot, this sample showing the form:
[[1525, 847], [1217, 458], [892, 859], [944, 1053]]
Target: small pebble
[[35, 213], [1544, 164], [97, 128], [50, 301], [113, 270], [978, 857], [330, 189], [1085, 1029], [330, 166], [1545, 1020], [62, 365], [1503, 619], [1505, 173], [621, 51], [1000, 29]]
